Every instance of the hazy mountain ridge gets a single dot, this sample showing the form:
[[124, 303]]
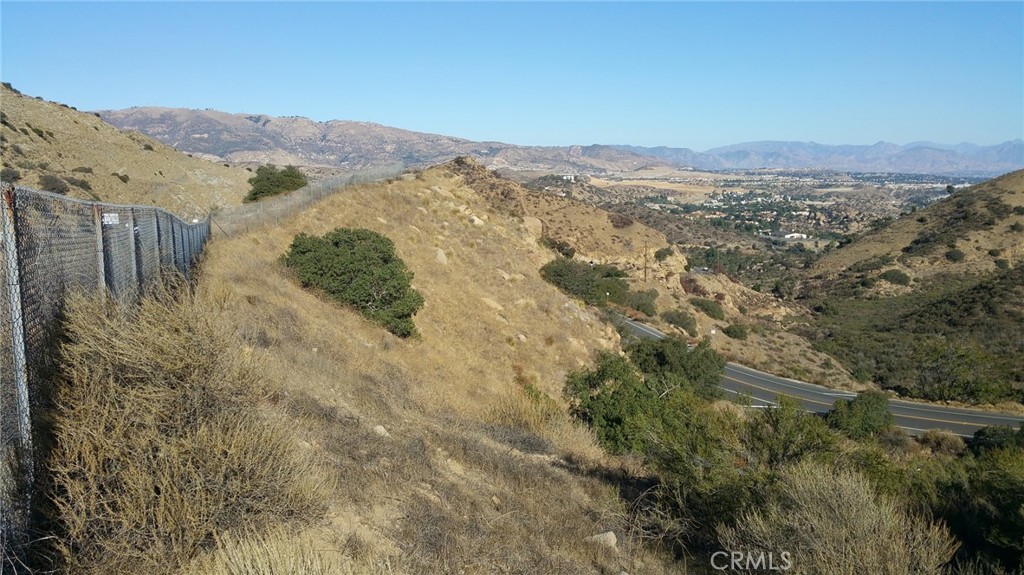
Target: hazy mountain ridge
[[916, 157], [347, 144], [353, 145]]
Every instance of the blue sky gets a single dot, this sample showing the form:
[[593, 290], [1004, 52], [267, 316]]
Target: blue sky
[[685, 74]]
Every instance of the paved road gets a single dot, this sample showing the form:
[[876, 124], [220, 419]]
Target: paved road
[[763, 388]]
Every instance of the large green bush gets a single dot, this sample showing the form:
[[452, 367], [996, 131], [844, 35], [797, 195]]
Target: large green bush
[[270, 181], [862, 416], [671, 361], [359, 268], [594, 284]]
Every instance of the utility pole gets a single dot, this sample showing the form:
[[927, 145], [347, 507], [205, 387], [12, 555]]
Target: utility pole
[[645, 262]]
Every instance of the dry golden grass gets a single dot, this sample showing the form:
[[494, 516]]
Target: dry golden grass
[[159, 439], [278, 552]]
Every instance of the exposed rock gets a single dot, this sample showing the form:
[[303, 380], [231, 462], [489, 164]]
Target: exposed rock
[[606, 539], [534, 226], [382, 431], [476, 221], [441, 257]]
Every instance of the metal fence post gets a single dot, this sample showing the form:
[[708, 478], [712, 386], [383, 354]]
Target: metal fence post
[[97, 217], [23, 448], [133, 230]]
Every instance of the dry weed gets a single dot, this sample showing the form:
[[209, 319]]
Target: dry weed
[[158, 441], [831, 523], [278, 552]]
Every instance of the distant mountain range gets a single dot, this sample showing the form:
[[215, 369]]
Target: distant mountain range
[[917, 157], [352, 145]]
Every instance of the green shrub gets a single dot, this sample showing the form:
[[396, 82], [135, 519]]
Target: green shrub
[[996, 437], [594, 284], [895, 276], [995, 252], [663, 254], [269, 181], [1019, 210], [642, 301], [682, 320], [997, 492], [1002, 264], [863, 416], [9, 174], [612, 400], [82, 170], [736, 331], [955, 255], [672, 363], [52, 183], [147, 147], [710, 308], [359, 268], [1017, 227]]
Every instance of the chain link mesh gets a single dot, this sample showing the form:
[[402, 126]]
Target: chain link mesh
[[275, 210], [54, 246]]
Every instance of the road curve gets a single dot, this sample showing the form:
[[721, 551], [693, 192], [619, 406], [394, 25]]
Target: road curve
[[762, 389]]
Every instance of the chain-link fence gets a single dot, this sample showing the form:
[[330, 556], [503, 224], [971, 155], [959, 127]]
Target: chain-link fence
[[53, 246], [272, 211]]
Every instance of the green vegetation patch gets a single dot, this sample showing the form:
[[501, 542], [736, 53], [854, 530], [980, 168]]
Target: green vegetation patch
[[895, 277], [270, 181], [863, 416], [359, 267], [598, 284], [682, 320], [957, 339], [711, 308], [736, 331]]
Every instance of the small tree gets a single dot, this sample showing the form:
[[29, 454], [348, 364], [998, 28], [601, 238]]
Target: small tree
[[359, 268], [785, 434], [862, 416], [269, 181]]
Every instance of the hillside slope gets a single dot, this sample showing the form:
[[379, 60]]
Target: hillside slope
[[599, 236], [471, 469], [49, 145], [981, 222]]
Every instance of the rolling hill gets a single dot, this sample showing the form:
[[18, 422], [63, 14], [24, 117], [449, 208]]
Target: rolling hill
[[51, 146]]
